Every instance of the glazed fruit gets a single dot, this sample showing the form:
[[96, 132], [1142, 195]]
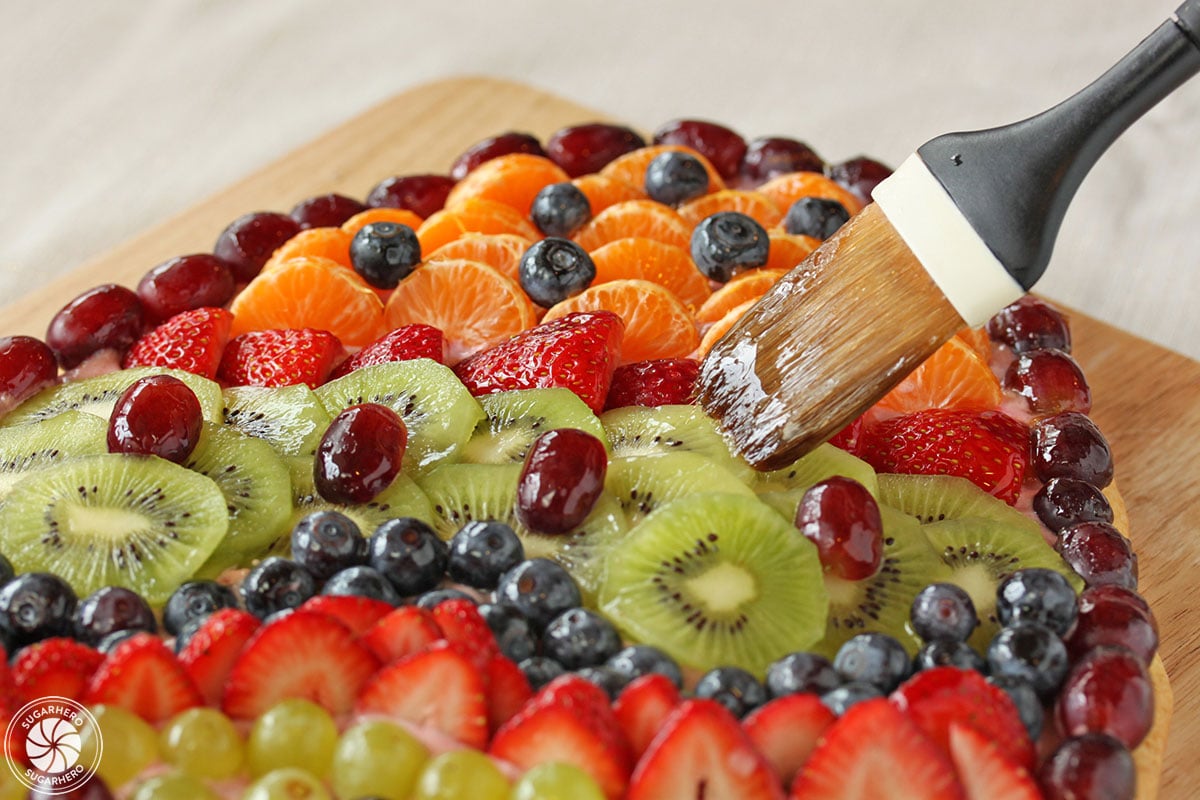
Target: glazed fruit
[[383, 253], [359, 456], [156, 416], [249, 240], [842, 519], [584, 149], [493, 147], [424, 195], [817, 217], [674, 178], [728, 242], [554, 269], [325, 210], [722, 146], [108, 317], [27, 365], [771, 156]]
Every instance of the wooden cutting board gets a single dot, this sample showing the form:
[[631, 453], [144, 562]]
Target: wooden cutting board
[[1147, 399]]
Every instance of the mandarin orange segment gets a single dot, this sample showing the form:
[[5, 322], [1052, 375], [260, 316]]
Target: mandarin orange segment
[[631, 167], [954, 377], [603, 191], [752, 204], [746, 286], [500, 250], [979, 341], [788, 249], [473, 304], [331, 243], [665, 264], [635, 218], [401, 216], [513, 179], [310, 292], [787, 189], [721, 327], [657, 323], [474, 215]]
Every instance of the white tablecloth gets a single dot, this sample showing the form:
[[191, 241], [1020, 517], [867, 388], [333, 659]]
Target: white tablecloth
[[116, 114]]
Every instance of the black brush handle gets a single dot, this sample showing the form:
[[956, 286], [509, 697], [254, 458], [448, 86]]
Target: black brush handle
[[1014, 183]]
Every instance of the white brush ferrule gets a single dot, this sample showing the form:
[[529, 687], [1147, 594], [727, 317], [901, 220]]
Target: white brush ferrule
[[958, 261]]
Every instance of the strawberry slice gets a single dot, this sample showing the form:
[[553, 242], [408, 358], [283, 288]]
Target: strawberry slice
[[279, 358], [873, 750], [786, 731], [209, 656], [415, 340], [461, 623], [701, 751], [405, 631], [507, 690], [56, 667], [191, 340], [935, 699], [438, 688], [983, 769], [359, 614], [142, 675], [659, 382], [305, 655], [988, 448], [578, 351], [642, 708]]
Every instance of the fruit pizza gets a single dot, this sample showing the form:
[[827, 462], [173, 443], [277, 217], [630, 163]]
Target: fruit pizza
[[409, 496]]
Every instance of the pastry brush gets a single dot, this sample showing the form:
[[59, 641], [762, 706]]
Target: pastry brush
[[963, 227]]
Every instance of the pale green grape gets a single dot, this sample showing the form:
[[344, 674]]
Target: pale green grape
[[289, 783], [204, 743], [377, 758], [173, 786], [556, 781], [132, 744], [462, 775], [293, 733]]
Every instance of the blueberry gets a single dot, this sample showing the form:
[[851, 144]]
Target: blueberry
[[516, 639], [943, 612], [874, 658], [384, 253], [637, 660], [481, 551], [540, 670], [195, 600], [817, 217], [1037, 595], [1032, 652], [7, 573], [327, 542], [554, 269], [277, 584], [607, 678], [727, 242], [430, 600], [801, 672], [560, 209], [946, 653], [540, 589], [362, 582], [1029, 706], [732, 687], [36, 606], [408, 553], [112, 609], [840, 699], [675, 177], [579, 638]]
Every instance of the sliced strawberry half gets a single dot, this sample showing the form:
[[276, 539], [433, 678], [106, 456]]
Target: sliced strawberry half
[[658, 382], [407, 342], [508, 690], [873, 750], [280, 358], [358, 614], [302, 655], [786, 731], [460, 622], [439, 688], [57, 667], [642, 708], [209, 656], [191, 340], [578, 351], [405, 631], [143, 676], [701, 751], [985, 772]]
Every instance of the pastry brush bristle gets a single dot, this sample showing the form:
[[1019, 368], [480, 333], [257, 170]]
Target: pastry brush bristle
[[829, 339]]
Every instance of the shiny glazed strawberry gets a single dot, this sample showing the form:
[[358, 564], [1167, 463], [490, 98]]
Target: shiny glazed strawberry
[[192, 341], [658, 382], [279, 358]]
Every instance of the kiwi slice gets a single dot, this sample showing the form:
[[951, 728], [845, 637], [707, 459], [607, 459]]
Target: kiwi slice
[[257, 487], [25, 448], [717, 579], [464, 492], [440, 413], [98, 395], [933, 498], [291, 419], [515, 419], [783, 489], [643, 483], [402, 498], [643, 430], [982, 553], [114, 520], [883, 602]]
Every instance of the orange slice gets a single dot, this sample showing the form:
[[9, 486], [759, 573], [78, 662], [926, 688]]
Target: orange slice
[[747, 286], [721, 327], [631, 167], [473, 304], [642, 218], [953, 377], [752, 204], [513, 179], [787, 189], [979, 341], [401, 216], [500, 250], [331, 243], [310, 292], [474, 215], [603, 191], [665, 264], [657, 323], [788, 249]]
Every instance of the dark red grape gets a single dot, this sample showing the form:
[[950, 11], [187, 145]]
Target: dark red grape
[[493, 146], [183, 283], [1113, 615], [421, 194], [1099, 553], [27, 365], [1030, 324], [158, 415], [1092, 766], [325, 210], [583, 149], [1050, 381], [722, 146], [359, 456], [249, 241], [1064, 501], [1108, 691], [560, 481], [770, 156], [105, 317], [842, 519], [1069, 445], [112, 609], [860, 175]]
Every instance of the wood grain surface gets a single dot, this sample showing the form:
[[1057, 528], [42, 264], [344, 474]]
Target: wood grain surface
[[1146, 398]]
